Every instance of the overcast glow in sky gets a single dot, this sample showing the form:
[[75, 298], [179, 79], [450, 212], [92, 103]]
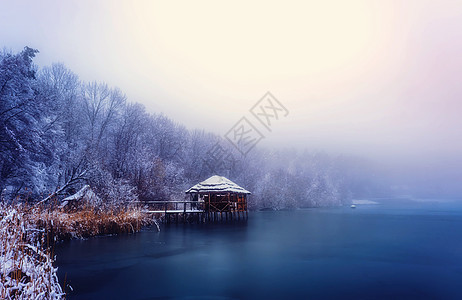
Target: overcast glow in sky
[[365, 77]]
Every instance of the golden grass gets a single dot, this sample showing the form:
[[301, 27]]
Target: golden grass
[[88, 222]]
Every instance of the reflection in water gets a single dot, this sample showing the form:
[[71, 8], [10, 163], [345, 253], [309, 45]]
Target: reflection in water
[[379, 251]]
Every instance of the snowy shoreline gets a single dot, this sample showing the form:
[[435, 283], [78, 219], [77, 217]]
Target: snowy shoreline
[[363, 202]]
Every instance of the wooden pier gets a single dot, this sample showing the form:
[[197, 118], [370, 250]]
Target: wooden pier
[[216, 199], [194, 211]]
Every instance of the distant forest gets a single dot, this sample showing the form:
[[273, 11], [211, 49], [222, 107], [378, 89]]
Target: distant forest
[[58, 133]]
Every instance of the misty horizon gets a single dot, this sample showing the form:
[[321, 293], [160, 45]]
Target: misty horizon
[[377, 81]]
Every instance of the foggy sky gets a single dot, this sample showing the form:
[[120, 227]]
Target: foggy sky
[[380, 79]]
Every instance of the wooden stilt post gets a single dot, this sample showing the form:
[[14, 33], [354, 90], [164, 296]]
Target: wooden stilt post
[[184, 212]]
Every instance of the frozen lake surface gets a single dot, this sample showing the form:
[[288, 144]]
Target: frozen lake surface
[[382, 251]]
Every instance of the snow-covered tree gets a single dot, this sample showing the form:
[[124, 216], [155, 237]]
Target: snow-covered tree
[[21, 145]]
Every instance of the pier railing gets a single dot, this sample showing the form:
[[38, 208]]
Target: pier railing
[[191, 206], [196, 210], [171, 206]]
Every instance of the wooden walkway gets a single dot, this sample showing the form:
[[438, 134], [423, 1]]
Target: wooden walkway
[[191, 212]]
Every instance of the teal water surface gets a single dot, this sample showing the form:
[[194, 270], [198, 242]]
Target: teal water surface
[[384, 251]]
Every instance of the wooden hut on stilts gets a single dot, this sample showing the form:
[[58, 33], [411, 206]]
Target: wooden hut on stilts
[[220, 199]]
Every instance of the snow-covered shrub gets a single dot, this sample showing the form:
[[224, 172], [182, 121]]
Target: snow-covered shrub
[[84, 197], [119, 191]]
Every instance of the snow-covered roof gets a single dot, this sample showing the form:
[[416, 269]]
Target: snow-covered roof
[[217, 184]]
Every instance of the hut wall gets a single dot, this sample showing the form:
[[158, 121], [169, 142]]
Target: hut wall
[[225, 202]]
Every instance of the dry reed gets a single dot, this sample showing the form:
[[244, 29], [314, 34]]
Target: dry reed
[[29, 233]]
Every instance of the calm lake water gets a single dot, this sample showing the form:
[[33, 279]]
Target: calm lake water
[[385, 251]]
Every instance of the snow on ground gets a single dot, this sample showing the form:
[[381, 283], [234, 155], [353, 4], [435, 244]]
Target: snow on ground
[[84, 194], [363, 202]]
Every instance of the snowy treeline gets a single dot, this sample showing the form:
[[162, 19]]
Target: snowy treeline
[[58, 133]]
